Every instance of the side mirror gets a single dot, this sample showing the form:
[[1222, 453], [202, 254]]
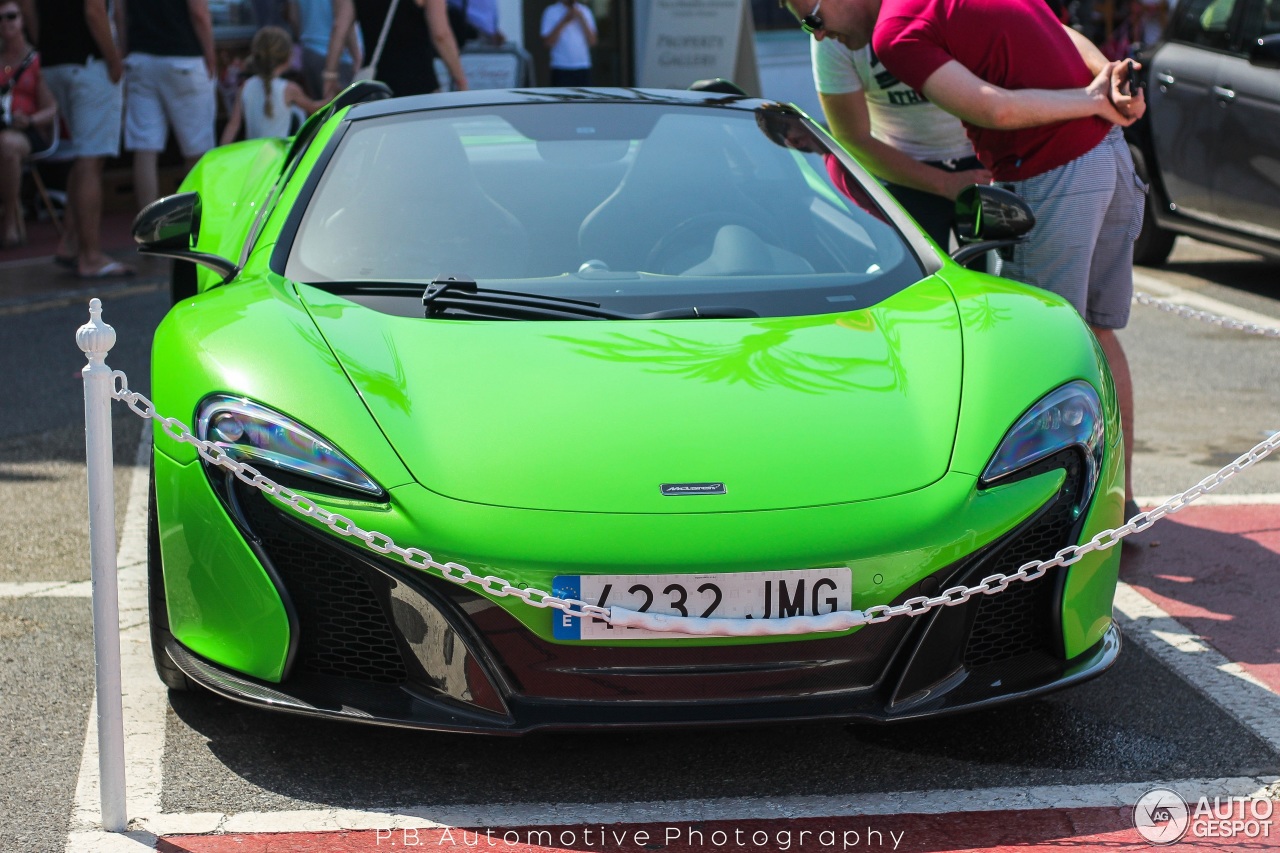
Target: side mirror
[[1265, 52], [989, 218], [984, 212], [170, 226], [172, 222]]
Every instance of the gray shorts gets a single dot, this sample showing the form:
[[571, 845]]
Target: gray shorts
[[1088, 213], [91, 105]]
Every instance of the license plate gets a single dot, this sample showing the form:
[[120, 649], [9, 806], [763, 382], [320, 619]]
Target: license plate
[[741, 595]]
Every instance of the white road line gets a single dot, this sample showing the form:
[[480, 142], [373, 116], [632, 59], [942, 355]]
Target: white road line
[[728, 809], [145, 698], [1193, 299], [1255, 705], [46, 589]]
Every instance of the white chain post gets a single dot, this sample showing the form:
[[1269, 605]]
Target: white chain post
[[96, 339]]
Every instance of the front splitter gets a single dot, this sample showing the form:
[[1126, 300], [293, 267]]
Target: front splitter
[[399, 706]]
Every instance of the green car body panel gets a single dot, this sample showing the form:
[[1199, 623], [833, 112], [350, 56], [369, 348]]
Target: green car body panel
[[221, 602], [531, 450], [253, 322], [235, 182], [828, 383]]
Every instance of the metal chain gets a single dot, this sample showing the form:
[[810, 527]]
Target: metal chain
[[340, 524], [1205, 316], [500, 588]]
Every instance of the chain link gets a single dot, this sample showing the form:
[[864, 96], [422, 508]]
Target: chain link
[[500, 588], [1205, 316]]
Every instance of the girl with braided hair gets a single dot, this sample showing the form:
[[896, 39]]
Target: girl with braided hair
[[267, 100]]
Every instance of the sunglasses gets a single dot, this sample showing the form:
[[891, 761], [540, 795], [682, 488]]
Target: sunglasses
[[813, 22], [10, 16]]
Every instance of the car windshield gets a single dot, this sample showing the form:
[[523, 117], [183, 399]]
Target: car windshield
[[636, 207]]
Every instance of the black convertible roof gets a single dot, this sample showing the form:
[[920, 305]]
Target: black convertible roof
[[500, 97]]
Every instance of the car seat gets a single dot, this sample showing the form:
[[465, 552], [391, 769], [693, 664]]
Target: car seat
[[681, 172], [417, 210]]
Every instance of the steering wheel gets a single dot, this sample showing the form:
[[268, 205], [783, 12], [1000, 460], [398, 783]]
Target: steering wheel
[[693, 233]]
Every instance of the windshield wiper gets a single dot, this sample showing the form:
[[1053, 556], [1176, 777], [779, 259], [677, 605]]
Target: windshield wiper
[[443, 294], [466, 298]]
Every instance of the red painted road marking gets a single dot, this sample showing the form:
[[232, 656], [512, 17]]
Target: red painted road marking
[[1217, 571], [1082, 830]]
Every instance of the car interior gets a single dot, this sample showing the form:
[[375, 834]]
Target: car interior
[[686, 197]]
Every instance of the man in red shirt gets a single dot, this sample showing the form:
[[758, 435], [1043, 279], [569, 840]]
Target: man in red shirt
[[1041, 105]]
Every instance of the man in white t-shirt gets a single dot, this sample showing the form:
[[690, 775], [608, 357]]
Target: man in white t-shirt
[[920, 152], [569, 32]]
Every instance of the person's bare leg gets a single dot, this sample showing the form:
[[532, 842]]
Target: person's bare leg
[[85, 196], [1119, 365], [146, 177], [13, 147]]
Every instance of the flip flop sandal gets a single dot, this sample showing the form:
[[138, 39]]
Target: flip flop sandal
[[114, 269]]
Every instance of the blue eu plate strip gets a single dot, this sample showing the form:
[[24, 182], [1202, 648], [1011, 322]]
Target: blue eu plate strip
[[564, 626]]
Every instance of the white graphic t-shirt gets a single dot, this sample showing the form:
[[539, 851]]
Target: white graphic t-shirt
[[900, 116]]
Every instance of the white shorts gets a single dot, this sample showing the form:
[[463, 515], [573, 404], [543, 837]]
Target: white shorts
[[92, 106], [168, 91]]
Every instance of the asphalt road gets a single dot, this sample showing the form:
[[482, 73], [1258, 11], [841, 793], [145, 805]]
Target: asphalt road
[[1139, 722], [1204, 395]]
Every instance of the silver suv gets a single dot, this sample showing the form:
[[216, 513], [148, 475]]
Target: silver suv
[[1210, 142]]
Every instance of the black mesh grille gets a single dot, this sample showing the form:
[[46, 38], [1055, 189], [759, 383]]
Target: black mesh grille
[[1020, 619], [343, 630]]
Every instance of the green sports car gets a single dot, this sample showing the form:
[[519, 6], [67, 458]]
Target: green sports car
[[671, 353]]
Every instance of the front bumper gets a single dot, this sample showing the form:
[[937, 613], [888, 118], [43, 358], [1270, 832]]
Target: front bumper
[[332, 698], [373, 641]]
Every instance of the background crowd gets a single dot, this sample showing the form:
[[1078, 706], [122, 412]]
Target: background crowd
[[88, 80]]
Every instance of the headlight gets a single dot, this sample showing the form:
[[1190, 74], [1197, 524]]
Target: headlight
[[257, 435], [1070, 416]]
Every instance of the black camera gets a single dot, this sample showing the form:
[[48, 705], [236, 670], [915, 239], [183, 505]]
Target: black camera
[[1135, 78]]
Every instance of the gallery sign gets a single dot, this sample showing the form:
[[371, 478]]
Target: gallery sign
[[691, 40]]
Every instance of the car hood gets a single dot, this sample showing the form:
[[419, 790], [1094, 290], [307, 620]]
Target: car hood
[[596, 416]]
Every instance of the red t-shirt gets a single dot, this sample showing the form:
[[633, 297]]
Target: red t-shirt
[[1014, 44]]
